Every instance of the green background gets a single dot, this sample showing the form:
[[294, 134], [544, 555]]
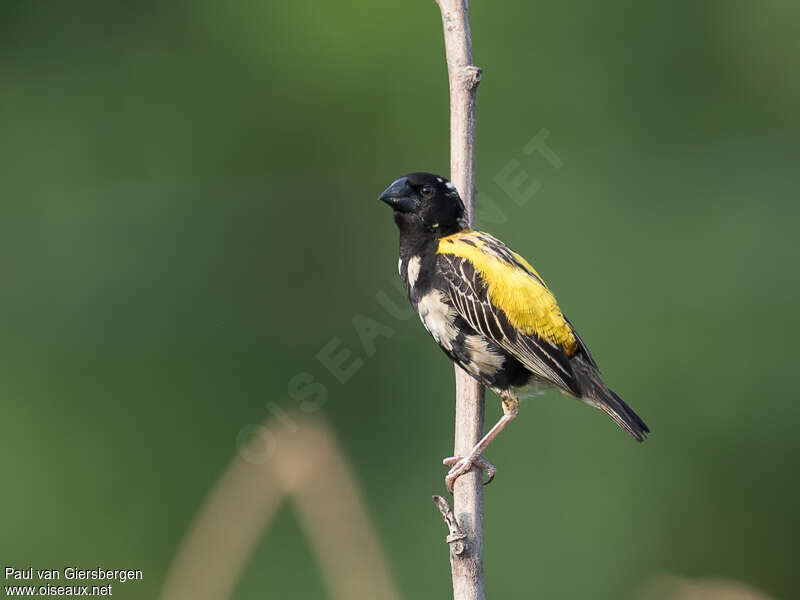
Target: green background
[[188, 214]]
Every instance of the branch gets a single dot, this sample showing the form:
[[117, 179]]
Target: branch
[[456, 536], [467, 564]]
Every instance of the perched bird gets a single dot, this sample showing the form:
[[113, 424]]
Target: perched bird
[[490, 311]]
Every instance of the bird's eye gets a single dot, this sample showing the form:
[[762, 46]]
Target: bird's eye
[[427, 191]]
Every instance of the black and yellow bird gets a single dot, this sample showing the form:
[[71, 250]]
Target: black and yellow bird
[[490, 311]]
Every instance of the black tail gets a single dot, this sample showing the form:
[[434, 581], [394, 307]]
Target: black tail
[[596, 393]]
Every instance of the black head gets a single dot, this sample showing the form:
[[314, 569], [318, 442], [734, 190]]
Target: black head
[[423, 201]]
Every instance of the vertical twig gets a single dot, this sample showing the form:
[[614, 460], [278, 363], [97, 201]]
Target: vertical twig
[[466, 556]]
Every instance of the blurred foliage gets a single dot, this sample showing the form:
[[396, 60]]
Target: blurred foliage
[[188, 216]]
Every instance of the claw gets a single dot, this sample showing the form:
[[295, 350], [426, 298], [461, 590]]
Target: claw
[[462, 464]]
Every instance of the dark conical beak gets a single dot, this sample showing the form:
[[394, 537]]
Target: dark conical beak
[[400, 196]]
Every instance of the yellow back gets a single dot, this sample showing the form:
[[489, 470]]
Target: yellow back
[[514, 287]]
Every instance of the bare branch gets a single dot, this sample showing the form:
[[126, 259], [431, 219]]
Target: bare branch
[[466, 565]]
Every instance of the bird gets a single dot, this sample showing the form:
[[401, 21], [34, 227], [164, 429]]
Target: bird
[[490, 311]]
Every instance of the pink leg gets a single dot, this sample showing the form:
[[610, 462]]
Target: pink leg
[[461, 465]]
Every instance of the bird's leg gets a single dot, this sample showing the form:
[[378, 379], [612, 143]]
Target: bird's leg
[[461, 464]]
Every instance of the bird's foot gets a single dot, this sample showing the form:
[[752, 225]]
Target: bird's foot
[[461, 464]]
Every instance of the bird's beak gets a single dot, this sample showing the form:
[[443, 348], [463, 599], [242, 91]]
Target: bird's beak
[[400, 196]]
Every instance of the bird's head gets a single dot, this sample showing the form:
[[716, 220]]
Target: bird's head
[[423, 201]]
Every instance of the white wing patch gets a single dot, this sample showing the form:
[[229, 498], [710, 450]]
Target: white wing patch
[[481, 357], [414, 264], [437, 316]]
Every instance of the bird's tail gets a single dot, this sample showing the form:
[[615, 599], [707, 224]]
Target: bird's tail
[[597, 394]]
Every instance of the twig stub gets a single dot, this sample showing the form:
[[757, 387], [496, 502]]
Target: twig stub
[[470, 76], [456, 537]]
